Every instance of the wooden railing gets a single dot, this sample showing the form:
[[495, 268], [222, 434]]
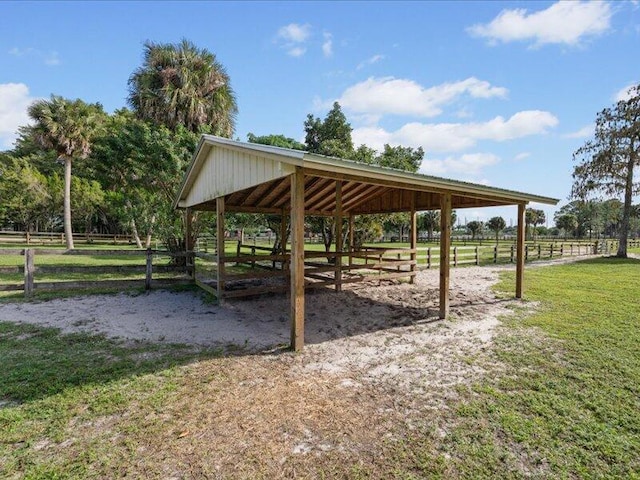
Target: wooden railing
[[31, 270], [322, 269], [501, 253], [52, 238]]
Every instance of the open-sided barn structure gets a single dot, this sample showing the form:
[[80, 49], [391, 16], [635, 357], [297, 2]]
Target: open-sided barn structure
[[232, 176]]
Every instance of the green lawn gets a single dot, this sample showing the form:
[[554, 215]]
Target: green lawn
[[563, 402], [568, 402]]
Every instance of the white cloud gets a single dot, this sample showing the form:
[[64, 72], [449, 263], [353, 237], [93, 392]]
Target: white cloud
[[455, 137], [327, 46], [389, 95], [564, 22], [468, 164], [294, 32], [521, 156], [370, 61], [292, 38], [584, 132], [51, 58], [296, 51], [624, 94], [14, 100]]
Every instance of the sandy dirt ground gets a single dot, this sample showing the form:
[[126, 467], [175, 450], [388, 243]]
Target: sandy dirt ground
[[389, 332], [378, 363]]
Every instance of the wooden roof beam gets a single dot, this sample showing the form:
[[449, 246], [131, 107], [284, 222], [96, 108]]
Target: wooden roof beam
[[278, 189], [310, 202], [366, 196]]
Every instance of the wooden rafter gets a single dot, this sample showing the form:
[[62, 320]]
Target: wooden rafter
[[367, 195], [267, 200], [327, 189], [256, 193]]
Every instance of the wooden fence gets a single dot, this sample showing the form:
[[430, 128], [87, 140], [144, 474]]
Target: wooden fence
[[504, 253], [266, 272], [53, 238], [254, 269], [31, 270]]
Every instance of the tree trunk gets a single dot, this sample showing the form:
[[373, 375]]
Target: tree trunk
[[150, 232], [134, 232], [68, 232], [87, 229], [626, 211]]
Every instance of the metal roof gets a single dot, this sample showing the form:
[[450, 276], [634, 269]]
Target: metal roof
[[255, 178]]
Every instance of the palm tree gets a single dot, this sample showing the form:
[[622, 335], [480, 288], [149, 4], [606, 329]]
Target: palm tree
[[496, 225], [66, 126], [429, 221], [534, 217], [181, 84], [474, 227]]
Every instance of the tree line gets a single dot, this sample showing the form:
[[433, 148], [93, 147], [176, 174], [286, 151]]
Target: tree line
[[78, 168]]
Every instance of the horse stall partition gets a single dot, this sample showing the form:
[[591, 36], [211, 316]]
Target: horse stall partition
[[251, 272]]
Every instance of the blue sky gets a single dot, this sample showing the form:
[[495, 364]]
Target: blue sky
[[499, 93]]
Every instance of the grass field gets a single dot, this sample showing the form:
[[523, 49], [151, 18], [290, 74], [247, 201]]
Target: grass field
[[568, 404], [563, 399]]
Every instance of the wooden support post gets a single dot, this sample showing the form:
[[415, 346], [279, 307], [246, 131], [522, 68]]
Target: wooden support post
[[28, 271], [520, 250], [413, 243], [338, 223], [189, 259], [445, 245], [219, 249], [283, 232], [351, 238], [148, 273], [297, 260], [283, 237]]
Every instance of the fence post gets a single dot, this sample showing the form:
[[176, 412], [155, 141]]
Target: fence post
[[526, 252], [539, 251], [147, 278], [28, 271], [495, 254], [477, 255], [428, 257], [253, 253], [595, 248], [551, 251], [511, 256], [455, 256]]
